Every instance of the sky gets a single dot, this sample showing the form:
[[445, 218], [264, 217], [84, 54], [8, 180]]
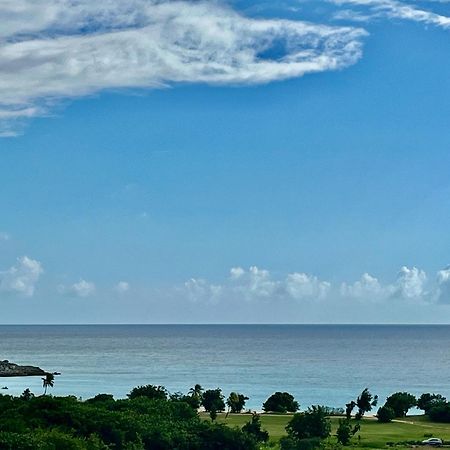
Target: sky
[[225, 161]]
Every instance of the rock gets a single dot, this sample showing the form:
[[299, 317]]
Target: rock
[[8, 369]]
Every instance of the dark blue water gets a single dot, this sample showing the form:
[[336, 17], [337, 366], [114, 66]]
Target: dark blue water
[[319, 364]]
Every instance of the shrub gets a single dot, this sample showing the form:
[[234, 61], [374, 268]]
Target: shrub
[[310, 424], [385, 414]]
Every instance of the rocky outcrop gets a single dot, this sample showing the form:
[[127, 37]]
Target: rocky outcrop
[[8, 369]]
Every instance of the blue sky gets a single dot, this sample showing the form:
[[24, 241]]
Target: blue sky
[[171, 162]]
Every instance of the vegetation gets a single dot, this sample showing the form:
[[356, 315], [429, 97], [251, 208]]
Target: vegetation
[[345, 431], [151, 418], [140, 422], [365, 402], [213, 400], [48, 381], [236, 402], [254, 428], [385, 414], [428, 401], [281, 402], [401, 403]]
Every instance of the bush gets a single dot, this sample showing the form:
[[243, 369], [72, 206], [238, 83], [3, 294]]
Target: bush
[[385, 414], [254, 428], [440, 413], [290, 443], [346, 431], [280, 402], [310, 424]]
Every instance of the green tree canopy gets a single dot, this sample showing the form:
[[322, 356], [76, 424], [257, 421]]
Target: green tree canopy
[[428, 401], [401, 402], [280, 402], [365, 402], [213, 400], [236, 402], [150, 391]]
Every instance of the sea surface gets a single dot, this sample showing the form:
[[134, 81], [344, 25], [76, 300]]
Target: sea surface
[[319, 364]]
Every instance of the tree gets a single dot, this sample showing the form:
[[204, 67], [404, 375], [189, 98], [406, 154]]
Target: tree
[[196, 395], [48, 381], [27, 395], [385, 414], [149, 391], [236, 402], [346, 431], [313, 423], [212, 400], [349, 407], [428, 401], [281, 402], [401, 402], [254, 429], [365, 402]]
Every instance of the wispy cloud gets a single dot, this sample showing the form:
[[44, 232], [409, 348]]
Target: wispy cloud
[[22, 277], [58, 49], [80, 289], [393, 9], [4, 236], [122, 287]]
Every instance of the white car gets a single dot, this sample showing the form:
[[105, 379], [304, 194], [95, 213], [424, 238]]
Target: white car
[[433, 441]]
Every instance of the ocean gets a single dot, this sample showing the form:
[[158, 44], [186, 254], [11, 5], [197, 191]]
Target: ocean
[[318, 364]]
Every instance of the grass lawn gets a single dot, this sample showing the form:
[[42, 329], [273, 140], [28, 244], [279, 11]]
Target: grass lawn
[[373, 434]]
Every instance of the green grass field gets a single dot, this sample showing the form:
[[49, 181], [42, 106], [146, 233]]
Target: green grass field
[[372, 434]]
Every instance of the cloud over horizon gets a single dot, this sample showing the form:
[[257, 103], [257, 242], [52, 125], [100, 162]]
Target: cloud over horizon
[[411, 285]]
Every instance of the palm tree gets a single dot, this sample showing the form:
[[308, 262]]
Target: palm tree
[[49, 380], [196, 391]]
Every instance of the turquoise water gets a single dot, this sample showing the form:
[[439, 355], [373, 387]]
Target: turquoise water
[[319, 364]]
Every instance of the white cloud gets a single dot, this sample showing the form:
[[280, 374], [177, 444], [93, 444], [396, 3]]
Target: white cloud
[[257, 284], [57, 49], [122, 287], [410, 283], [392, 9], [300, 286], [4, 236], [21, 278], [367, 288], [199, 290], [81, 289], [443, 285]]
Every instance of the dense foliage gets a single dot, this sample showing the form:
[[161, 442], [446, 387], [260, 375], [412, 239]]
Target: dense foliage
[[213, 400], [428, 401], [236, 402], [101, 423], [401, 402], [365, 402], [312, 423], [280, 402], [385, 414], [345, 431]]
